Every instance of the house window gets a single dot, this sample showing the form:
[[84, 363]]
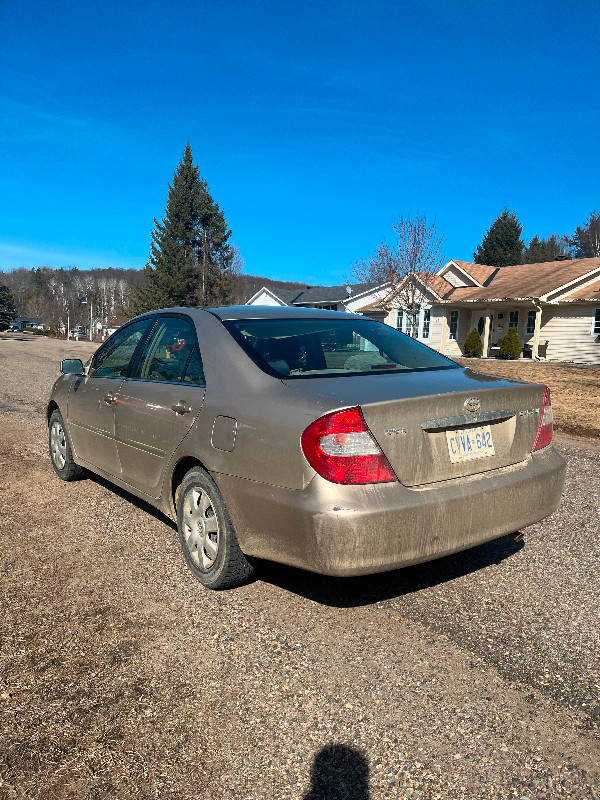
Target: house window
[[329, 307], [454, 324], [399, 319], [596, 323], [531, 321], [426, 321], [513, 319]]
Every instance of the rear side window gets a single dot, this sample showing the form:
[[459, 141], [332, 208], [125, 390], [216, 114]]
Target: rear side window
[[304, 348], [113, 358], [171, 353]]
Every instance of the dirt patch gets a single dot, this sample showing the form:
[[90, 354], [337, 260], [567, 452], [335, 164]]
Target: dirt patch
[[574, 389]]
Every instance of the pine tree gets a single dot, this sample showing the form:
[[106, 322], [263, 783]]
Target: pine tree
[[7, 307], [190, 258], [586, 239], [502, 245], [549, 249]]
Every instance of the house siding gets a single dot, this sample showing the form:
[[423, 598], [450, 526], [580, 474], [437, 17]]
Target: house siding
[[455, 277], [436, 328], [567, 330]]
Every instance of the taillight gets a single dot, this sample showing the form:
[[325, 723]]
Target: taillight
[[544, 434], [340, 447]]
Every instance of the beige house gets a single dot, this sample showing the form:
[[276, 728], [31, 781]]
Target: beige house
[[554, 307]]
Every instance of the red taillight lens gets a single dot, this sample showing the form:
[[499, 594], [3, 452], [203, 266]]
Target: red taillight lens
[[544, 434], [340, 447]]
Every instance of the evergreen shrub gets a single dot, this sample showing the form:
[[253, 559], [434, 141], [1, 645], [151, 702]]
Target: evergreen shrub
[[511, 345], [473, 345]]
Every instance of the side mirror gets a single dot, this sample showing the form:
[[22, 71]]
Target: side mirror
[[71, 366]]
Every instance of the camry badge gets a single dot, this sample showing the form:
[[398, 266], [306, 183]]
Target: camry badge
[[472, 404]]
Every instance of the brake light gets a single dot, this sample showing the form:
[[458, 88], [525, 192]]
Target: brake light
[[544, 434], [340, 447]]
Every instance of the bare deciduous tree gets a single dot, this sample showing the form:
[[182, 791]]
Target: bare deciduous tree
[[409, 263]]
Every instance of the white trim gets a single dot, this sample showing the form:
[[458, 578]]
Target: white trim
[[269, 292], [595, 329]]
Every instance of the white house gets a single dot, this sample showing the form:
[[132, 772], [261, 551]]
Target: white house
[[333, 298], [554, 307]]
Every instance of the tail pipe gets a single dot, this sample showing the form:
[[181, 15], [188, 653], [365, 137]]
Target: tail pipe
[[517, 536]]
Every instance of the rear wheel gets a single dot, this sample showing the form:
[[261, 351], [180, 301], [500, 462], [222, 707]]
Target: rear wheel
[[208, 541], [61, 454]]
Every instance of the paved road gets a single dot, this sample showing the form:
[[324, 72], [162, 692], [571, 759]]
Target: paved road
[[476, 676]]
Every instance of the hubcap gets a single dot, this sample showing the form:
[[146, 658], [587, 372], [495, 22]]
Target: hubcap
[[58, 445], [201, 528]]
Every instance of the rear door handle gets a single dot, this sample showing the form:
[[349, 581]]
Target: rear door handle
[[181, 408], [110, 398]]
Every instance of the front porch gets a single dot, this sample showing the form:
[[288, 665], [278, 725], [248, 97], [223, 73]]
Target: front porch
[[493, 322]]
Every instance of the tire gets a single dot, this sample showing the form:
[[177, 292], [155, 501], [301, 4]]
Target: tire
[[208, 542], [61, 454]]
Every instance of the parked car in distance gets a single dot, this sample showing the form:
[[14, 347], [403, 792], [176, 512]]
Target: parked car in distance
[[13, 329], [77, 335], [319, 439]]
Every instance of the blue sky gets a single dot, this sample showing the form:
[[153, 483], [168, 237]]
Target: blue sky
[[315, 125]]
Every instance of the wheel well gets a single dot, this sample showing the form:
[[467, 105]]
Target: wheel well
[[52, 406], [183, 467]]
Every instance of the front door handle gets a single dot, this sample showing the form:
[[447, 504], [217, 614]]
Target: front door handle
[[181, 408], [110, 398]]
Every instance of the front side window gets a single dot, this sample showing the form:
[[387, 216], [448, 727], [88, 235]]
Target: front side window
[[513, 319], [306, 348], [114, 357], [454, 324], [530, 321], [171, 353], [596, 322]]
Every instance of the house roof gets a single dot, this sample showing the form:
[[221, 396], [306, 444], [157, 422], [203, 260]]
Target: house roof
[[321, 294], [591, 292], [480, 272], [521, 280]]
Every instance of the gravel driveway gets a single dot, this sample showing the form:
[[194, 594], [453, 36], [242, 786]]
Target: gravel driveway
[[476, 676]]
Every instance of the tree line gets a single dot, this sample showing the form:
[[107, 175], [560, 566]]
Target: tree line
[[502, 245]]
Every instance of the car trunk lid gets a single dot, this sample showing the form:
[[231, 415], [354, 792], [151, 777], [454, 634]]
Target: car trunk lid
[[429, 424]]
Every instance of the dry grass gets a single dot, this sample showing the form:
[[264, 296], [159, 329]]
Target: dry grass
[[574, 389]]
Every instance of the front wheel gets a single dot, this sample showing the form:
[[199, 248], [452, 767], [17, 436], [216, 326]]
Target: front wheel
[[208, 541], [61, 454]]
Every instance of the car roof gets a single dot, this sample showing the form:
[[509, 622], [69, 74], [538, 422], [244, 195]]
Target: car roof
[[224, 313]]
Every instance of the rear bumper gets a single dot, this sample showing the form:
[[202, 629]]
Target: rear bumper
[[357, 530]]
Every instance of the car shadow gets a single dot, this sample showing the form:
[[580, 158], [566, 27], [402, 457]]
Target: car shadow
[[369, 589]]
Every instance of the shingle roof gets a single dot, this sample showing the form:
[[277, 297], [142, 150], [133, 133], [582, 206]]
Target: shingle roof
[[591, 292], [322, 294], [481, 272], [523, 280], [287, 295], [333, 294]]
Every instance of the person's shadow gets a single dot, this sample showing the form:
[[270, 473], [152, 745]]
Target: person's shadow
[[339, 773]]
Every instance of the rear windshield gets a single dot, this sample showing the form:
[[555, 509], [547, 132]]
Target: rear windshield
[[306, 348]]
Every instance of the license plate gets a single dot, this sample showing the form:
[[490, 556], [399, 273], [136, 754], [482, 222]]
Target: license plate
[[466, 444]]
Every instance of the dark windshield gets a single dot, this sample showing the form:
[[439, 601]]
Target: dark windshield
[[304, 348]]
